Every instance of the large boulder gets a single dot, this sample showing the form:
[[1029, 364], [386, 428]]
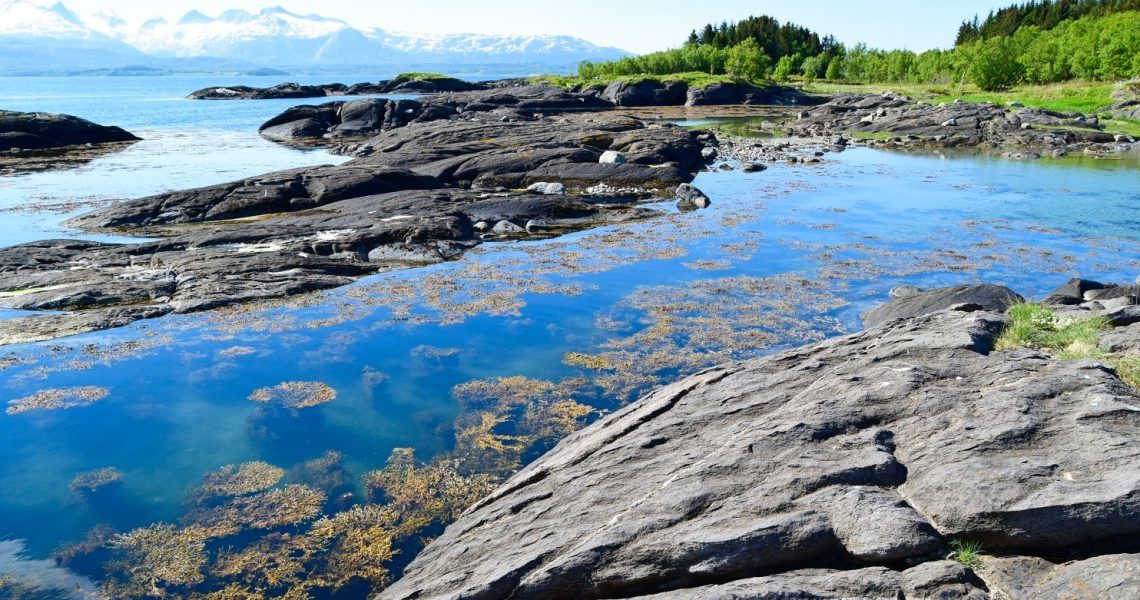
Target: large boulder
[[802, 474], [646, 92], [45, 130], [981, 297]]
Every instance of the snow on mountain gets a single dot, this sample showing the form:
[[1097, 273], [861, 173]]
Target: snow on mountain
[[271, 37]]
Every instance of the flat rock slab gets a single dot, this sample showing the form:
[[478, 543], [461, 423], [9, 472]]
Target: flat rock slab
[[864, 451]]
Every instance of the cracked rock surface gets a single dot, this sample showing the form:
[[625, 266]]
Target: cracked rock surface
[[838, 470]]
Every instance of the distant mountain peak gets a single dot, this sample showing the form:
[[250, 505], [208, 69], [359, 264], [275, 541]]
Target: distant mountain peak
[[272, 37], [194, 16]]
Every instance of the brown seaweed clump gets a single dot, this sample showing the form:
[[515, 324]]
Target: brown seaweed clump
[[160, 556], [58, 399], [92, 481], [295, 395], [239, 480]]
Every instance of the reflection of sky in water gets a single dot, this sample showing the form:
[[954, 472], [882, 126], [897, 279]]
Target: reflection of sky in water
[[180, 409]]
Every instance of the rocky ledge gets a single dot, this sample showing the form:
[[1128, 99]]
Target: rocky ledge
[[36, 141], [421, 192], [894, 120], [398, 85], [851, 468]]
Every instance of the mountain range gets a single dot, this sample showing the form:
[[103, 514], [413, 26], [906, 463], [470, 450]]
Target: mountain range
[[39, 38]]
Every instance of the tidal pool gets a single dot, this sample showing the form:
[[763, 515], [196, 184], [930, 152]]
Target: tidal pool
[[486, 361]]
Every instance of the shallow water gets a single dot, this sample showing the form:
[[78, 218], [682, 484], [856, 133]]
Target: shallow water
[[782, 257]]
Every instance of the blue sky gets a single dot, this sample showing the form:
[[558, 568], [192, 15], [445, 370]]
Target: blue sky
[[635, 25]]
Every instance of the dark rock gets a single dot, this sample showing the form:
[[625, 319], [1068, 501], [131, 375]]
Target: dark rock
[[646, 92], [1128, 315], [754, 167], [743, 93], [982, 297], [691, 198], [399, 85], [40, 131], [1072, 292], [818, 467]]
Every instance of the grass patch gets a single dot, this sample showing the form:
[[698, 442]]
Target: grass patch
[[693, 79], [1035, 325], [419, 76], [1080, 96], [966, 552]]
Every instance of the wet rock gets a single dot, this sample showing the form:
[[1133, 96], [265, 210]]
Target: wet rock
[[977, 297], [818, 467], [691, 198], [754, 167]]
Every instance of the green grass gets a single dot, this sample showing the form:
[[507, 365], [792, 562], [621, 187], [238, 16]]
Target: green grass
[[692, 79], [966, 552], [1035, 325], [419, 76], [1079, 96]]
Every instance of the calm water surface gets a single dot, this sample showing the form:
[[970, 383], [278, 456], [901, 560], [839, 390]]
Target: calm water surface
[[178, 405]]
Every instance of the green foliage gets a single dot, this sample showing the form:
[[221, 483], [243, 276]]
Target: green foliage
[[966, 552], [419, 76], [1043, 14], [775, 39], [1102, 45], [995, 65], [784, 69], [1036, 325], [747, 60]]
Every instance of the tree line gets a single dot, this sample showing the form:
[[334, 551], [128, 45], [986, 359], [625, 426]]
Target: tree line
[[1096, 46], [1044, 14]]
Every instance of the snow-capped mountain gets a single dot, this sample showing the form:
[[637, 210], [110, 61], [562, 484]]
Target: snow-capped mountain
[[34, 35]]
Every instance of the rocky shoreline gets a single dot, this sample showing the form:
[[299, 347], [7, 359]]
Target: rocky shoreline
[[891, 120], [915, 459], [41, 141], [398, 85], [421, 191]]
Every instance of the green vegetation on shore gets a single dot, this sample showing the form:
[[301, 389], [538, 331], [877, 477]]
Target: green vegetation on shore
[[1035, 325], [1097, 45]]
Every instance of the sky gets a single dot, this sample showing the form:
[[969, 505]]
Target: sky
[[636, 25]]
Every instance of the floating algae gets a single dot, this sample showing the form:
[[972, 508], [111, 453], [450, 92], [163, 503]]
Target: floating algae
[[58, 399], [295, 394], [239, 480], [92, 481]]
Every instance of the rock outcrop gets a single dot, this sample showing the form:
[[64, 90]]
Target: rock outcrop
[[838, 470], [398, 85], [39, 131], [964, 124], [420, 192], [40, 141]]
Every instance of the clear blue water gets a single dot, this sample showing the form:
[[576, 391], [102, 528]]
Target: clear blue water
[[857, 225]]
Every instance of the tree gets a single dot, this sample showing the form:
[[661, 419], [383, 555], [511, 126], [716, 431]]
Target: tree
[[835, 69], [995, 65], [747, 61], [784, 68]]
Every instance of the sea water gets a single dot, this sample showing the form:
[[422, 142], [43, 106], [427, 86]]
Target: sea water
[[782, 257]]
